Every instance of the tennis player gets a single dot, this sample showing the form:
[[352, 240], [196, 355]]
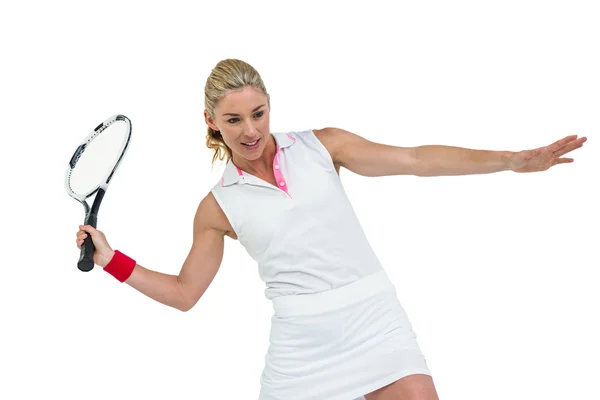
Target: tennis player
[[338, 330]]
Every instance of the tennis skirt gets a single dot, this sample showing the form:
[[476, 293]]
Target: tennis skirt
[[340, 344]]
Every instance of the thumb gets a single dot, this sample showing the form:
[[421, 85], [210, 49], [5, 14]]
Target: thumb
[[89, 229]]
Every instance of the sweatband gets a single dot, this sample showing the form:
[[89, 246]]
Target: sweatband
[[120, 266]]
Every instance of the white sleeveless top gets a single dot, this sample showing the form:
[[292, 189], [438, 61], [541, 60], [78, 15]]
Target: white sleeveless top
[[304, 234]]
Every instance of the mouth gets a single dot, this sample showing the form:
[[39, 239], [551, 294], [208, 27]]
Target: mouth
[[252, 145]]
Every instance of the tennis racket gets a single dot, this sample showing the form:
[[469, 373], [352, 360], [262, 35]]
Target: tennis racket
[[90, 171]]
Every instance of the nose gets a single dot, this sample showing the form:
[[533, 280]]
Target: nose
[[251, 130]]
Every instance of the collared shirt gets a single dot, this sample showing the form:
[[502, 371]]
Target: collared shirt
[[233, 174], [303, 233]]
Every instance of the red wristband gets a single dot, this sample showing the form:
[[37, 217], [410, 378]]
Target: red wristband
[[120, 266]]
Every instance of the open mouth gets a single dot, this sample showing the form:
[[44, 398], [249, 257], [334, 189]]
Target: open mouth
[[252, 145]]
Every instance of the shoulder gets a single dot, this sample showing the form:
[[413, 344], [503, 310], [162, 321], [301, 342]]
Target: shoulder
[[333, 139], [209, 215]]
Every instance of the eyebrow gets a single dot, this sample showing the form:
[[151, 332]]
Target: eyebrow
[[237, 115]]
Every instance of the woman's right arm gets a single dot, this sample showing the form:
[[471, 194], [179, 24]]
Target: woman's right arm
[[199, 269]]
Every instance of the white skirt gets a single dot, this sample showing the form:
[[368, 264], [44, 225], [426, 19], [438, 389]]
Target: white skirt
[[340, 344]]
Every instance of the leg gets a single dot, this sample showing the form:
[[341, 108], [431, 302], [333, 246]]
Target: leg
[[411, 387]]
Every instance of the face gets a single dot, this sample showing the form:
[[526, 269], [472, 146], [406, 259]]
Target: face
[[242, 117]]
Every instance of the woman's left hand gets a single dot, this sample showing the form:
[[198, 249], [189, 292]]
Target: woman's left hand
[[542, 158]]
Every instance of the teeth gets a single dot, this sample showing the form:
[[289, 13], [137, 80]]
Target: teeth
[[251, 144]]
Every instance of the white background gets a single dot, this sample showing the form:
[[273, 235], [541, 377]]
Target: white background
[[497, 272]]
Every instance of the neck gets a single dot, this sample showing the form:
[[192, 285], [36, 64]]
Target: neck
[[262, 165]]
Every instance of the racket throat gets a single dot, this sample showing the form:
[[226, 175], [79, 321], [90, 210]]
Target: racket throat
[[91, 214]]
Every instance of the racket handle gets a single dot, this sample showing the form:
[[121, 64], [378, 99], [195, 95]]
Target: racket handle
[[86, 258]]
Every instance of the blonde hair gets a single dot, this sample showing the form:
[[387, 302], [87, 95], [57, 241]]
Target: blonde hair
[[227, 75]]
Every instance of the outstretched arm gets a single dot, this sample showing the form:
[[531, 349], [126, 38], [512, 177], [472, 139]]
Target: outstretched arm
[[367, 158]]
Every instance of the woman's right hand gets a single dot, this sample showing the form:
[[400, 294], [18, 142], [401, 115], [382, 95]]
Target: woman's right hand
[[103, 253]]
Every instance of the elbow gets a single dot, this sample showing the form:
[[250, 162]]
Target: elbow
[[188, 296], [185, 305], [417, 167]]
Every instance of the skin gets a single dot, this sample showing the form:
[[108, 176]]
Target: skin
[[183, 291], [249, 122], [411, 387], [251, 109], [211, 224]]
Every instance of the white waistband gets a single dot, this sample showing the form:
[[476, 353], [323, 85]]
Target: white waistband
[[335, 298]]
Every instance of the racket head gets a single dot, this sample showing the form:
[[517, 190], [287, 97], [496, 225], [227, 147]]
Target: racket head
[[97, 158], [91, 169]]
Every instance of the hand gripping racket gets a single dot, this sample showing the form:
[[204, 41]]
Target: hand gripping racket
[[91, 169]]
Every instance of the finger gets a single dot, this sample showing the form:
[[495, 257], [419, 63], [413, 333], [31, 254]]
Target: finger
[[554, 147], [570, 147], [563, 142], [88, 228], [562, 161]]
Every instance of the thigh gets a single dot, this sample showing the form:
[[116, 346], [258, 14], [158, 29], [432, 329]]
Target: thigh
[[411, 387]]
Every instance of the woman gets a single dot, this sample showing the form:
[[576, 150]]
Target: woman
[[338, 331]]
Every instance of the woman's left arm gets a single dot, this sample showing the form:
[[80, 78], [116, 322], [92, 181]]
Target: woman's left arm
[[367, 158]]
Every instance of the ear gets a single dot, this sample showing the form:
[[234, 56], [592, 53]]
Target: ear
[[209, 121]]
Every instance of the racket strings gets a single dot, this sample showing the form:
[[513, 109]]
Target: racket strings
[[98, 156]]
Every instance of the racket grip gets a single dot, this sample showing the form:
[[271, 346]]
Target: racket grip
[[86, 257]]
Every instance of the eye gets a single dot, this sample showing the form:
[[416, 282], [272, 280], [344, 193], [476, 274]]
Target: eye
[[257, 115]]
